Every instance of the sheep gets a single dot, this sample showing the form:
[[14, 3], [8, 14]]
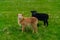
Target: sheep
[[41, 16], [27, 21]]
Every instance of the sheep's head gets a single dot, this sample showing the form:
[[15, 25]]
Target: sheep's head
[[33, 13], [20, 16]]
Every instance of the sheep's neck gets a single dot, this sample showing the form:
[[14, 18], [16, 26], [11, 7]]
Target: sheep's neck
[[21, 20]]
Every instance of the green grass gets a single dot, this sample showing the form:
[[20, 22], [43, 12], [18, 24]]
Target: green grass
[[9, 28]]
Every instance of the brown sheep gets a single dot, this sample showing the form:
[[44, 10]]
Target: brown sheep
[[26, 21]]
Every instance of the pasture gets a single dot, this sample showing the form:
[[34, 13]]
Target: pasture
[[9, 28]]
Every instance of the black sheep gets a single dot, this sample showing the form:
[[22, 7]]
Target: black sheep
[[41, 16]]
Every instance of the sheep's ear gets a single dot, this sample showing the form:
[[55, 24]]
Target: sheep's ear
[[17, 14], [22, 14]]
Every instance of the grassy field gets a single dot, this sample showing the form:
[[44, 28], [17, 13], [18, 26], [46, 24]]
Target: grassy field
[[9, 28]]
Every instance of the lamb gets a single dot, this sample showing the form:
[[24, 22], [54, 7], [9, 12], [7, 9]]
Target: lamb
[[26, 21], [41, 16]]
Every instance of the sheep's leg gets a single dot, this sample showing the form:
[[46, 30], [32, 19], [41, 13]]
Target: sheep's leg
[[23, 28], [34, 28], [46, 23]]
